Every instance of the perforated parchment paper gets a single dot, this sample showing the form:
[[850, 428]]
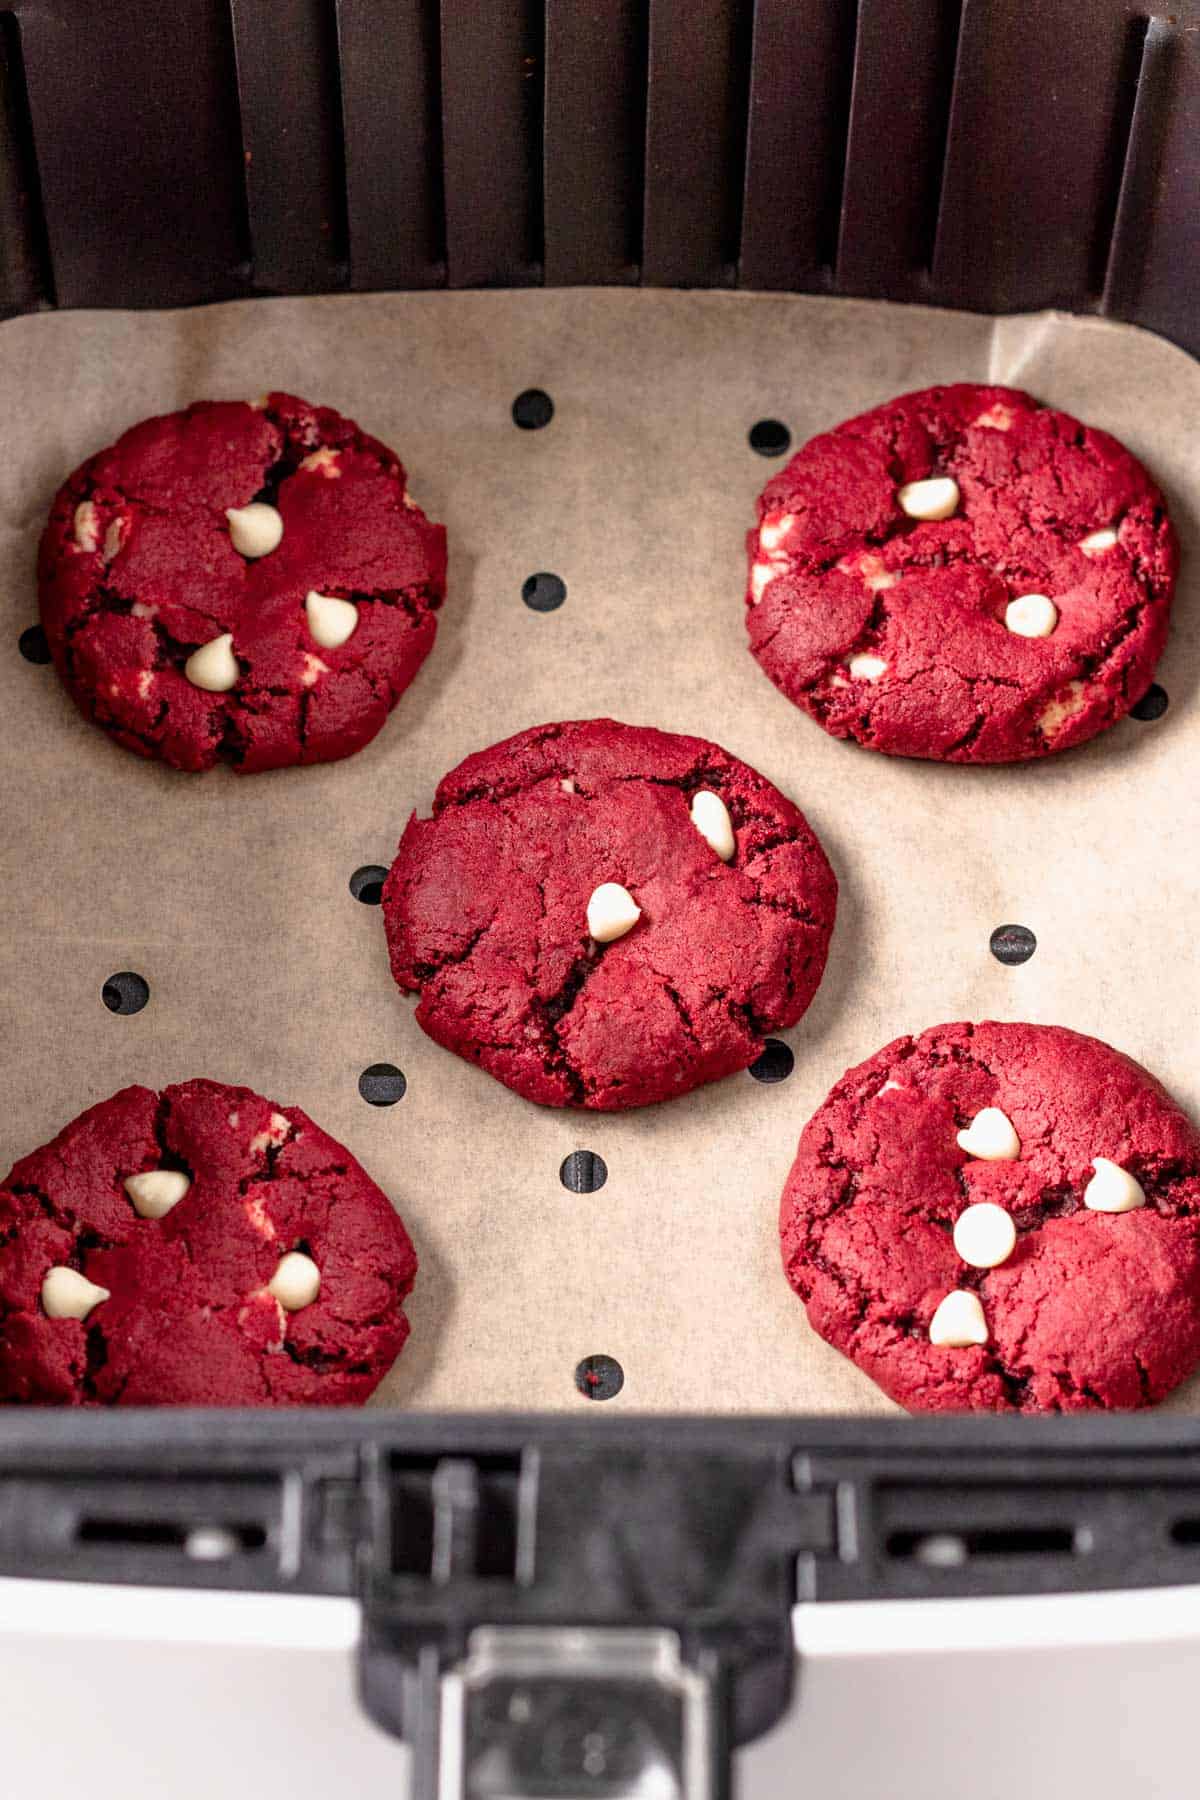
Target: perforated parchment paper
[[230, 895]]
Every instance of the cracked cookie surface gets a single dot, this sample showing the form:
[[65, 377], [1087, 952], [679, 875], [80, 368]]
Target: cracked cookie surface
[[1090, 1310], [137, 570], [486, 908], [890, 629], [189, 1319]]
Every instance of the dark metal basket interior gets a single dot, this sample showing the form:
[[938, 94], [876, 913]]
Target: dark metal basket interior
[[989, 154]]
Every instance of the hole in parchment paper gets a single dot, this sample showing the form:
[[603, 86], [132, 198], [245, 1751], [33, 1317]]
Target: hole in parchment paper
[[543, 592], [1152, 705], [382, 1084], [532, 409], [125, 992], [583, 1172], [366, 884], [34, 648], [599, 1377], [770, 437], [775, 1063], [1012, 944]]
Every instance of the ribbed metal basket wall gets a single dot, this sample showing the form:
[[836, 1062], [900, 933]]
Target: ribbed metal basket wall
[[995, 154]]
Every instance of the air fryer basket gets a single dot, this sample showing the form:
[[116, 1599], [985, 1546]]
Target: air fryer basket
[[980, 155], [976, 153]]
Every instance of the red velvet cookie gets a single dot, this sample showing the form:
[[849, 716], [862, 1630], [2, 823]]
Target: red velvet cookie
[[197, 1247], [962, 575], [248, 584], [602, 915], [1001, 1217]]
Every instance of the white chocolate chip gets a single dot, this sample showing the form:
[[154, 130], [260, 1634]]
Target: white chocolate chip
[[323, 462], [233, 1119], [990, 1136], [250, 1316], [611, 912], [761, 577], [876, 579], [958, 1321], [296, 1282], [567, 785], [936, 498], [772, 531], [1031, 615], [1112, 1189], [998, 417], [1097, 542], [274, 1133], [866, 667], [112, 537], [87, 526], [144, 609], [710, 816], [889, 1087], [255, 530], [145, 683], [1065, 707], [331, 621], [870, 570], [314, 668], [66, 1294], [838, 681], [213, 666], [984, 1235], [256, 1213], [156, 1192]]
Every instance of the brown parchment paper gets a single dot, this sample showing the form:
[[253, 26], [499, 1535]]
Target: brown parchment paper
[[230, 895]]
